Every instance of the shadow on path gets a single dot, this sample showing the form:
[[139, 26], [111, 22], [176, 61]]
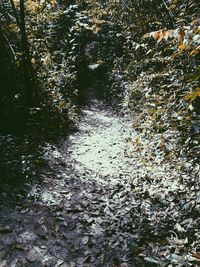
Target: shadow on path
[[85, 212]]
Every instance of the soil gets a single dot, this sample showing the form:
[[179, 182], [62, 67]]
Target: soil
[[98, 204], [71, 218]]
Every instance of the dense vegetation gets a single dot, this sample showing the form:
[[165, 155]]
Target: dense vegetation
[[99, 133], [147, 54]]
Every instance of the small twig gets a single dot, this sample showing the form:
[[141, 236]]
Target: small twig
[[9, 45]]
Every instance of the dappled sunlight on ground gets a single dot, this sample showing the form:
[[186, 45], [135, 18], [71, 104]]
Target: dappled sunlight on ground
[[108, 198], [101, 148]]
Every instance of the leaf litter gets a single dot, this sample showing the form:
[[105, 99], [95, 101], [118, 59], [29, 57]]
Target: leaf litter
[[108, 198]]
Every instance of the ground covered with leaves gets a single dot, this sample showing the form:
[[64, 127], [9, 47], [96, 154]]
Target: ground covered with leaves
[[122, 189], [108, 197]]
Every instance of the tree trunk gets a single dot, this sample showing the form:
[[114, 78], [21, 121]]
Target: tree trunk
[[31, 90], [27, 65]]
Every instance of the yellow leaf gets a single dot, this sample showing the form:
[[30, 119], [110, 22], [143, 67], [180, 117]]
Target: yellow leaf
[[18, 54], [61, 104], [182, 34], [195, 51], [12, 26], [53, 2], [197, 31], [192, 95], [183, 47], [33, 61]]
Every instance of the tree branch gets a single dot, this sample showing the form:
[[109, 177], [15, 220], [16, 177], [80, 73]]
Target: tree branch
[[15, 13]]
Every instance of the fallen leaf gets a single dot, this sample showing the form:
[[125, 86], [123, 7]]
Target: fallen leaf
[[31, 256], [3, 264], [151, 260], [81, 260], [85, 240], [196, 255], [5, 230], [19, 247]]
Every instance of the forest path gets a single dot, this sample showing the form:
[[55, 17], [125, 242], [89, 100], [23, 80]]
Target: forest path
[[78, 215], [104, 201]]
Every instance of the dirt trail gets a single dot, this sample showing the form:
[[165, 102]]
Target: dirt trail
[[76, 216], [103, 202]]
